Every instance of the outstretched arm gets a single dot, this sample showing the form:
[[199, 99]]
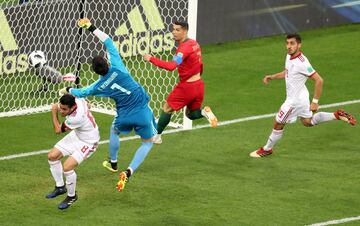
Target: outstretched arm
[[83, 92], [167, 65], [114, 56], [90, 90]]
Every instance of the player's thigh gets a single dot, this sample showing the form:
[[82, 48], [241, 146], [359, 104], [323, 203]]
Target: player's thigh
[[178, 98], [66, 144], [197, 91], [83, 150], [122, 125], [145, 123], [71, 145]]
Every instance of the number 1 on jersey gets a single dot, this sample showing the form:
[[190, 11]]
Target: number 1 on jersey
[[122, 89]]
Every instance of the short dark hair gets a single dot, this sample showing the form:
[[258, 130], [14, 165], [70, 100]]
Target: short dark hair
[[183, 24], [100, 65], [68, 100], [294, 35]]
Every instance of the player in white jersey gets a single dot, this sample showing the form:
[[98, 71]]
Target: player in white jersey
[[79, 144], [297, 71]]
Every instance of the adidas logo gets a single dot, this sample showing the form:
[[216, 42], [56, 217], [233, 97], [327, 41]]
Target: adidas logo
[[7, 39], [140, 40], [10, 64]]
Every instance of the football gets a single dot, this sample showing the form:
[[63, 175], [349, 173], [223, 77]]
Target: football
[[37, 59]]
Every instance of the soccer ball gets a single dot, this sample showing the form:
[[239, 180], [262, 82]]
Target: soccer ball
[[37, 59]]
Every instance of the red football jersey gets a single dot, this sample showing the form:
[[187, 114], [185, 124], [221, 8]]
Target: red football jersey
[[187, 59], [191, 64]]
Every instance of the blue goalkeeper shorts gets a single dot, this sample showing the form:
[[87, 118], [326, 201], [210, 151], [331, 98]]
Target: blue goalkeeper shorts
[[142, 122]]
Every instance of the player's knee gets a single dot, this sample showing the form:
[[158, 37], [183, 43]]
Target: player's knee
[[188, 115], [278, 126], [307, 122], [53, 155], [167, 108]]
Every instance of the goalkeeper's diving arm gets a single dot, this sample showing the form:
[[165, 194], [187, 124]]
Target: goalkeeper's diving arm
[[114, 56]]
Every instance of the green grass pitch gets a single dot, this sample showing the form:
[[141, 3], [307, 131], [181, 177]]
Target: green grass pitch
[[205, 176]]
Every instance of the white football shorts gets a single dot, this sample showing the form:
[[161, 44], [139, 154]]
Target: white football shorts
[[76, 148], [289, 113]]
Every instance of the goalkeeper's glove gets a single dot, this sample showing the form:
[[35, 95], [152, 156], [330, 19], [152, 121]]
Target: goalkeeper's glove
[[85, 23], [64, 91]]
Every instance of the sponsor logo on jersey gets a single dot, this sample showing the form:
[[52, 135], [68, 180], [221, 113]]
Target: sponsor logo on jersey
[[9, 62], [142, 38]]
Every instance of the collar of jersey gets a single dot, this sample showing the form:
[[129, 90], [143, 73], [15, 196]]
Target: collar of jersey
[[73, 110], [296, 56]]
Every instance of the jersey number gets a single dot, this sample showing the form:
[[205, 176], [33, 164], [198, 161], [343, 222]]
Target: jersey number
[[122, 89], [84, 149], [281, 114]]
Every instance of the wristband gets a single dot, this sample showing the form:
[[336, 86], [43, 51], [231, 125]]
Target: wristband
[[92, 28], [315, 101]]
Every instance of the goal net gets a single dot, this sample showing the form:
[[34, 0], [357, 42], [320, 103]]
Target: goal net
[[136, 26]]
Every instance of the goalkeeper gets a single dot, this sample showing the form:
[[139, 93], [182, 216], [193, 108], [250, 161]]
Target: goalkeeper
[[131, 102]]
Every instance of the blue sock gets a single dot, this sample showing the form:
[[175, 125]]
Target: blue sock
[[140, 155], [114, 144]]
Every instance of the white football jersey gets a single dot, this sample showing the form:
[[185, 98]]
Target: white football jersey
[[83, 123], [297, 70]]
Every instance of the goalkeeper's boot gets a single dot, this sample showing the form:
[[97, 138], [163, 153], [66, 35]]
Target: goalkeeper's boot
[[260, 153], [344, 116], [112, 166], [57, 191], [209, 115], [68, 201], [157, 139], [123, 178]]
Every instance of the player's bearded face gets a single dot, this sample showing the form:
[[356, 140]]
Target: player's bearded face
[[292, 46], [65, 110], [178, 32]]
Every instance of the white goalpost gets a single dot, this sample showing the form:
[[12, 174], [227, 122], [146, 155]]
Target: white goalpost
[[136, 26]]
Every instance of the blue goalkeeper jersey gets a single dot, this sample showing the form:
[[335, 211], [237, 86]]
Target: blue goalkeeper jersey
[[118, 84]]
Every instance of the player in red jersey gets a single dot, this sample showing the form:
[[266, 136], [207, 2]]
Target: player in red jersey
[[189, 91]]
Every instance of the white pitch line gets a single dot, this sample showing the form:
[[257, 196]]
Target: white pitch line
[[347, 4], [340, 221], [221, 123]]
